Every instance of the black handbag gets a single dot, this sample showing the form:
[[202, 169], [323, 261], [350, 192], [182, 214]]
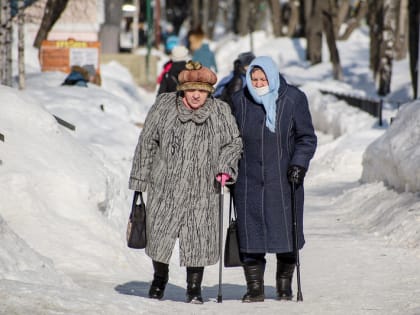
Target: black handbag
[[136, 227], [232, 257]]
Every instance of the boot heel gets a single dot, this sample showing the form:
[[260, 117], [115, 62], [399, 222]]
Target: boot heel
[[254, 275], [194, 279], [284, 276], [160, 279]]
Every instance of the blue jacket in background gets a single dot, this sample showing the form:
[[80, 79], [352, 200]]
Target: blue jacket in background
[[205, 56]]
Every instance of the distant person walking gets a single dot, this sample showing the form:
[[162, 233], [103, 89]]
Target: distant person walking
[[279, 141], [234, 81], [200, 48], [169, 81], [189, 143]]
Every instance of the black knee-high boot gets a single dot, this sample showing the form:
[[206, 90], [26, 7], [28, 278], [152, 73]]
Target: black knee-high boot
[[254, 275], [284, 277], [160, 279], [194, 279]]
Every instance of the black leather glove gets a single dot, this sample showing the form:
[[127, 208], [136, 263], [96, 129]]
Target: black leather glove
[[296, 174]]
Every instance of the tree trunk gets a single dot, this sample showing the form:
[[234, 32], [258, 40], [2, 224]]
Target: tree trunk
[[195, 16], [313, 31], [213, 13], [343, 11], [276, 19], [301, 32], [387, 46], [413, 41], [21, 44], [204, 10], [6, 43], [354, 22], [109, 34], [375, 29], [52, 12], [328, 13], [294, 18], [401, 36], [243, 25], [156, 22]]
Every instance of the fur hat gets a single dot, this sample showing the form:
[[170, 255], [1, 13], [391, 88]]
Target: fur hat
[[196, 77], [179, 53]]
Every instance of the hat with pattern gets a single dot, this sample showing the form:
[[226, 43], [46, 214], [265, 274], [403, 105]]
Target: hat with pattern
[[196, 77]]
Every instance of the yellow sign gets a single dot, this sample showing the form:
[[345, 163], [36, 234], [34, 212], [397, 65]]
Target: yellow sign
[[61, 55]]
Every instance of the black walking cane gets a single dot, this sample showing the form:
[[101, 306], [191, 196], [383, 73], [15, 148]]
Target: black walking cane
[[295, 247], [219, 294]]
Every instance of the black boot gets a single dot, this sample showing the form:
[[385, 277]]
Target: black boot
[[284, 277], [160, 279], [254, 275], [194, 279]]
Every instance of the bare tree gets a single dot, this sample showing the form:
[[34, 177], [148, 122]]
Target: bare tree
[[195, 16], [109, 34], [382, 21], [313, 31], [343, 12], [294, 17], [213, 9], [21, 44], [354, 21], [375, 14], [321, 16], [329, 10], [276, 19], [387, 46], [414, 22], [243, 22], [52, 12], [401, 35], [6, 43]]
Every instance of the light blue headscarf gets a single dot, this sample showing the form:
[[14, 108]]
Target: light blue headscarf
[[268, 100]]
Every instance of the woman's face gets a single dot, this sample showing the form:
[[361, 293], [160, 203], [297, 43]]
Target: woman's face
[[195, 98], [258, 78]]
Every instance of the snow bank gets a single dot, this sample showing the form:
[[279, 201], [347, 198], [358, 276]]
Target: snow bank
[[382, 211], [60, 192], [394, 158]]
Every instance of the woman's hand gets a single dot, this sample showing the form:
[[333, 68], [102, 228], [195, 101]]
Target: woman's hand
[[222, 178]]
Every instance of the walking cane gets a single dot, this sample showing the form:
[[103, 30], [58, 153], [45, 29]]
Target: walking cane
[[295, 247], [219, 294]]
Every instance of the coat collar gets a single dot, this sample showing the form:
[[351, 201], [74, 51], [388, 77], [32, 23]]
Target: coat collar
[[198, 116]]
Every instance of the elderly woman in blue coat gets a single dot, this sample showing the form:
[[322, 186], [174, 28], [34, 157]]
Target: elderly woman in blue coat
[[279, 142]]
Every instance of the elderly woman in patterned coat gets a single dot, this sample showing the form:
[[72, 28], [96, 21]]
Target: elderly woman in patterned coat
[[279, 141], [189, 142]]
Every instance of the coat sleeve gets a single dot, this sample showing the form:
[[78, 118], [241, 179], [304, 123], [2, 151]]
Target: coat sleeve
[[146, 148], [305, 140], [231, 145]]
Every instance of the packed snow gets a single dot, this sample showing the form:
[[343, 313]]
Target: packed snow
[[64, 200]]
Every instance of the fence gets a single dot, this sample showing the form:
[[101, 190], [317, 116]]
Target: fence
[[369, 105]]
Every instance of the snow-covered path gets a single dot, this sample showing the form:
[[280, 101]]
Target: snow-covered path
[[347, 271], [344, 270]]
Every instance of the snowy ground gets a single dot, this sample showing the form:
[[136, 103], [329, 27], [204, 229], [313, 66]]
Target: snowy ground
[[64, 200]]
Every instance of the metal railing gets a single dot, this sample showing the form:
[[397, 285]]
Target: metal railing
[[369, 105]]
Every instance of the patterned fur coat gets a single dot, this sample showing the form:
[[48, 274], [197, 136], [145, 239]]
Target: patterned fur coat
[[178, 155]]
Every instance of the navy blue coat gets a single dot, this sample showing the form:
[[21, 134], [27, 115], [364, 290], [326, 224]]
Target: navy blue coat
[[262, 193]]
